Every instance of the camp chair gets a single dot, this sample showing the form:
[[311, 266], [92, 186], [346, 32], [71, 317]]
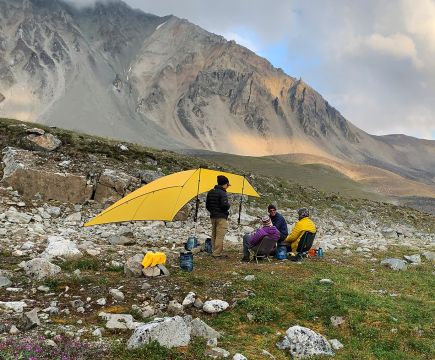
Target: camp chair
[[305, 244], [263, 249]]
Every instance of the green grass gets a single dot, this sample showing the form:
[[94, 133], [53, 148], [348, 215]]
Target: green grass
[[286, 294]]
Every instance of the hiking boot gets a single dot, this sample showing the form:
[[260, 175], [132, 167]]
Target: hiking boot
[[245, 259], [295, 258]]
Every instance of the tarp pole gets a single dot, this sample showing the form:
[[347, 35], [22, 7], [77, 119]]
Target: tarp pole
[[195, 219], [241, 200]]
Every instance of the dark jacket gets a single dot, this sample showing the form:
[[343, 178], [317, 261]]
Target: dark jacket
[[217, 203], [279, 222]]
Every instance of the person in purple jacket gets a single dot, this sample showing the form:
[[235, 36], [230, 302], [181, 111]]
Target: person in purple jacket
[[252, 240]]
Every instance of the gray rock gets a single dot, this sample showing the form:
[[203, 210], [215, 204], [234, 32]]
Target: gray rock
[[148, 311], [389, 233], [17, 306], [60, 247], [29, 320], [151, 271], [53, 211], [198, 304], [4, 282], [122, 239], [45, 142], [215, 306], [217, 353], [395, 264], [212, 342], [168, 332], [133, 266], [336, 345], [147, 176], [326, 281], [201, 329], [302, 343], [17, 217], [119, 321], [189, 300], [249, 278], [75, 217], [77, 303], [14, 330], [413, 259], [117, 294], [239, 357], [429, 256], [175, 308], [163, 270], [337, 321], [40, 268]]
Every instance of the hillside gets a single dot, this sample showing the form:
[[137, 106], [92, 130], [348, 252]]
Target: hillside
[[164, 82], [71, 291]]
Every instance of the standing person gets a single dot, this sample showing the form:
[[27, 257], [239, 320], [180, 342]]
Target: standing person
[[278, 221], [304, 224], [252, 240], [218, 206]]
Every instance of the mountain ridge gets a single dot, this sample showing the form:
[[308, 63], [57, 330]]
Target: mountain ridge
[[119, 72]]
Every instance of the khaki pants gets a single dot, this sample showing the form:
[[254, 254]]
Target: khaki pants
[[219, 228]]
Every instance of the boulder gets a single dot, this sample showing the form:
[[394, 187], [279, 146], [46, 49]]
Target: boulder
[[117, 295], [133, 266], [175, 308], [112, 185], [429, 256], [336, 345], [17, 217], [119, 321], [215, 306], [389, 233], [4, 282], [189, 300], [42, 142], [303, 343], [60, 247], [395, 264], [168, 332], [413, 259], [17, 306], [201, 329], [151, 271], [74, 217], [29, 320], [147, 176], [40, 268], [21, 173], [126, 238]]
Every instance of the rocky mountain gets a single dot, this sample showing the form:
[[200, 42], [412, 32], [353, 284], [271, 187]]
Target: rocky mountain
[[162, 81]]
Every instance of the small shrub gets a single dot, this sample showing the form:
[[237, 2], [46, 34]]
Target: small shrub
[[36, 348]]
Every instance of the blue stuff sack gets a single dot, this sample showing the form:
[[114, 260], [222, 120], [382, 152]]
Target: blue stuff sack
[[281, 252], [192, 242], [207, 246], [186, 261]]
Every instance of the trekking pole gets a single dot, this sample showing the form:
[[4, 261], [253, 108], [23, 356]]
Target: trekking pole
[[241, 199], [195, 218]]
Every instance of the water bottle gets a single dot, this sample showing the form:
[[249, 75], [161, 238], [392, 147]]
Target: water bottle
[[186, 261], [319, 251]]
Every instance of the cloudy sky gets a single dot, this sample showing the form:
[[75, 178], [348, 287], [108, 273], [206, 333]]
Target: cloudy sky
[[374, 60]]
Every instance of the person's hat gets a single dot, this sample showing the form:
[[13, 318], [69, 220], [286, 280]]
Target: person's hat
[[222, 180], [265, 221], [303, 212]]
